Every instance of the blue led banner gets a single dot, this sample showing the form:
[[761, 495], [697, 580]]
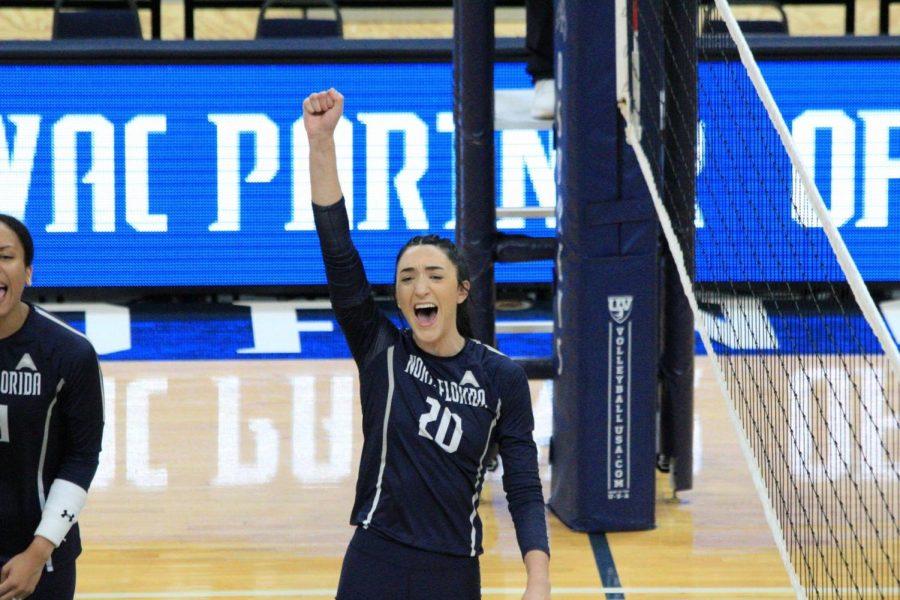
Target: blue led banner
[[195, 175], [844, 117]]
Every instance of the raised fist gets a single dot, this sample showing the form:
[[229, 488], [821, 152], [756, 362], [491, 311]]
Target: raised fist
[[321, 112]]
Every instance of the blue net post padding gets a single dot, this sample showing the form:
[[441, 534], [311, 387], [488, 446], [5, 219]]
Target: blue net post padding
[[607, 305]]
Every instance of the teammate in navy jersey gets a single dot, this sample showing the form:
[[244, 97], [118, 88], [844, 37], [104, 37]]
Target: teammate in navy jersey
[[51, 424], [433, 400]]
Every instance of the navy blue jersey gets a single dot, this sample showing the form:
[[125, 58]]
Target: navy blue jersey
[[51, 426], [428, 421]]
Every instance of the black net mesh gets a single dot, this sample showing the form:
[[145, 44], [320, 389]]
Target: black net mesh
[[809, 381]]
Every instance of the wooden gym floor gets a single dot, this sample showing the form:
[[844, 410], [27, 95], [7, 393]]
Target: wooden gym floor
[[235, 480]]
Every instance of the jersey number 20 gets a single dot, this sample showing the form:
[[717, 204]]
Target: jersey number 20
[[4, 423], [447, 417]]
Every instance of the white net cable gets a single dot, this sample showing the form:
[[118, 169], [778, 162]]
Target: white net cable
[[804, 359]]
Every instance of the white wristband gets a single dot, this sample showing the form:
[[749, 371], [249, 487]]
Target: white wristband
[[64, 503]]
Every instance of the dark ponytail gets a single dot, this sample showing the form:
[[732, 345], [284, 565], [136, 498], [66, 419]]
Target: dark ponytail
[[21, 231], [463, 318]]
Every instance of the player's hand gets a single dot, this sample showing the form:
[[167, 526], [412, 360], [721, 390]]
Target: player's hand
[[321, 112], [21, 574], [537, 591]]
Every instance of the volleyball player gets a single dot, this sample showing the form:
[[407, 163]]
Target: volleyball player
[[51, 425], [433, 399]]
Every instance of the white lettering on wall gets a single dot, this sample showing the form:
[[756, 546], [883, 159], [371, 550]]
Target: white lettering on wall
[[744, 324], [843, 164], [699, 222], [444, 124], [523, 156], [379, 126], [107, 326], [101, 176], [880, 168], [137, 173], [16, 167], [276, 328], [229, 129]]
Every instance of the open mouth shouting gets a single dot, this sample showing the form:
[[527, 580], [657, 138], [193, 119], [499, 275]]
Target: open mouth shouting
[[3, 290], [426, 313]]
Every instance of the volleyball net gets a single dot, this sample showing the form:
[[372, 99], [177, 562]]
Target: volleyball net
[[803, 357]]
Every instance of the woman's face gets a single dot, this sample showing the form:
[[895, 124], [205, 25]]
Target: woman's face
[[14, 275], [428, 294]]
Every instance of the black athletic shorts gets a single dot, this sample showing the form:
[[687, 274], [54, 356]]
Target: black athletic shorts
[[376, 568]]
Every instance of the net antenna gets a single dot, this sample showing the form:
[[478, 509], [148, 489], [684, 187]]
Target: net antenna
[[804, 359]]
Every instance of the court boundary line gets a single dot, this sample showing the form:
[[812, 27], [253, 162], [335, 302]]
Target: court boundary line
[[487, 591], [606, 565]]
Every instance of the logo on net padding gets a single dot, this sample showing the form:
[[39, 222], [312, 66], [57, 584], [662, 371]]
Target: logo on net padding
[[620, 307], [618, 457]]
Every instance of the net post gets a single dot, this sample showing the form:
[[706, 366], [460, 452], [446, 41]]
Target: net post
[[473, 116], [606, 304]]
